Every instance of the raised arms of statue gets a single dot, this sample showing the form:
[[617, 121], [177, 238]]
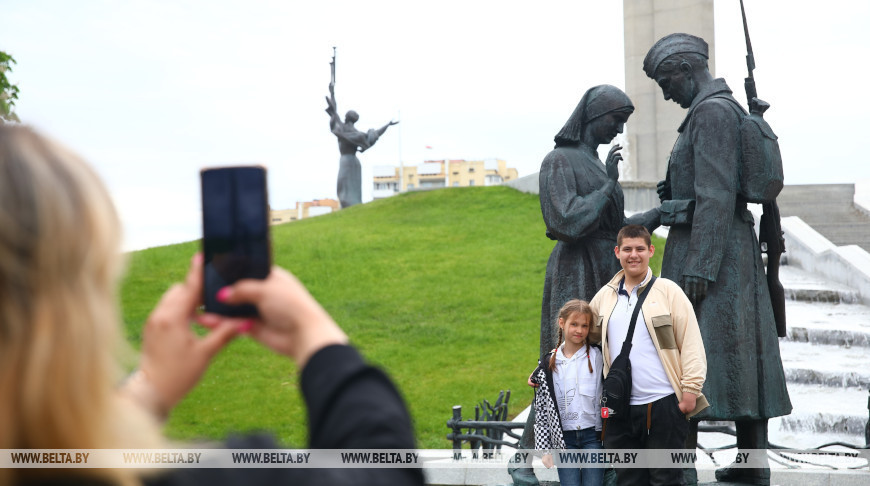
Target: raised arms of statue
[[350, 138], [331, 105]]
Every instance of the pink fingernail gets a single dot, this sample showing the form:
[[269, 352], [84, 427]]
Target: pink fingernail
[[198, 258], [223, 294], [246, 326]]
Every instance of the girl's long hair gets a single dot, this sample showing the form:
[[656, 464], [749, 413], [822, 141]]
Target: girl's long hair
[[60, 263], [570, 307]]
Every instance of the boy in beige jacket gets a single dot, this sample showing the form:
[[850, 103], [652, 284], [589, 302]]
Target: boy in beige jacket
[[667, 357]]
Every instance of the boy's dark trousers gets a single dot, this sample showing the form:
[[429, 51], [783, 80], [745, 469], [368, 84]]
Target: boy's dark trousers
[[656, 425]]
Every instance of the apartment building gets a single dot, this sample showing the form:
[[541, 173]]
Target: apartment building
[[390, 180], [304, 210]]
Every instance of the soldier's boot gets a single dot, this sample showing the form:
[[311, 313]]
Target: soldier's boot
[[751, 434]]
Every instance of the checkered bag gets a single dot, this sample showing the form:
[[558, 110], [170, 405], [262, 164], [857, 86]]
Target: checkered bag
[[548, 425]]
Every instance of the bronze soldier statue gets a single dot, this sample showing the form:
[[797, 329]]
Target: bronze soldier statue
[[712, 251]]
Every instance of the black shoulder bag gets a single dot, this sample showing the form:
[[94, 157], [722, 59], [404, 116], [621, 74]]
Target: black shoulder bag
[[615, 398]]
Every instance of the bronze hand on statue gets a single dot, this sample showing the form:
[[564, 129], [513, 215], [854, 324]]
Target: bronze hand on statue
[[663, 188], [695, 288], [611, 164]]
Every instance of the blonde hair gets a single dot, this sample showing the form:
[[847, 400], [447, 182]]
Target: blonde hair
[[60, 262], [570, 307]]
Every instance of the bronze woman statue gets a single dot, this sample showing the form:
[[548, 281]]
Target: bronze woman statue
[[350, 140], [583, 204], [583, 207]]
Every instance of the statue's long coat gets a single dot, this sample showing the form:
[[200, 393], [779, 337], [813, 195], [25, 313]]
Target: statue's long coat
[[584, 217], [745, 377], [349, 168]]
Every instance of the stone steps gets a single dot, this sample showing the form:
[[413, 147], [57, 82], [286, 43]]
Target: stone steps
[[823, 409], [837, 337], [843, 234], [820, 313], [824, 317], [797, 193], [830, 210], [825, 358], [833, 366], [822, 295], [825, 423]]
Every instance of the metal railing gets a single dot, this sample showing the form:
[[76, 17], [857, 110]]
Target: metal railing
[[783, 458], [486, 432]]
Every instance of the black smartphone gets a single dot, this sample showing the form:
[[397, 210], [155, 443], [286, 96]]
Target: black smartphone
[[235, 232]]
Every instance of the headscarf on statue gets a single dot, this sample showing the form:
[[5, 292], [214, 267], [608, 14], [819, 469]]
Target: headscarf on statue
[[597, 101]]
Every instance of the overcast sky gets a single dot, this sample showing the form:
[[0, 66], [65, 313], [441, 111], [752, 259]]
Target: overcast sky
[[152, 91]]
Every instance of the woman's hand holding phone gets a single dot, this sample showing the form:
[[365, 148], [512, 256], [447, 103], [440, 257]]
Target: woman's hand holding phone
[[173, 356]]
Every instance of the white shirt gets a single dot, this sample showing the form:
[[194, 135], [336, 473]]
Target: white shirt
[[649, 382], [577, 390]]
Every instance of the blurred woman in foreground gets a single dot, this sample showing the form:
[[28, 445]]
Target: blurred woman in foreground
[[60, 263]]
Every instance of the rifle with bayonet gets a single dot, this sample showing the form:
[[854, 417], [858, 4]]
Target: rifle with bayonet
[[770, 233]]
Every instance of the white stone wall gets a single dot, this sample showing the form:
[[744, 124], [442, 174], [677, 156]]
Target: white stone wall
[[806, 248]]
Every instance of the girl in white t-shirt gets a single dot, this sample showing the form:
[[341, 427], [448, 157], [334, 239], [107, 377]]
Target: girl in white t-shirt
[[568, 381]]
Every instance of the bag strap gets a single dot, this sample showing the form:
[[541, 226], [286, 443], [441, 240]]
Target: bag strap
[[626, 345]]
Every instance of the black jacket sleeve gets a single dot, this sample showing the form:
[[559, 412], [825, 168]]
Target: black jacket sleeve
[[351, 405]]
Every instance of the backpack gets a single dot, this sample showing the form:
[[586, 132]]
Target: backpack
[[760, 171]]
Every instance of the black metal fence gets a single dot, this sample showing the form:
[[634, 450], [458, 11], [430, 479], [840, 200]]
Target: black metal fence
[[490, 426], [488, 429], [778, 452]]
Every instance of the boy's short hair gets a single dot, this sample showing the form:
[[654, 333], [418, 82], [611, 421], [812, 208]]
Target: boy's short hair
[[633, 231]]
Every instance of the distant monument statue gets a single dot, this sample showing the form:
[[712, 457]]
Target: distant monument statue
[[350, 140], [712, 250]]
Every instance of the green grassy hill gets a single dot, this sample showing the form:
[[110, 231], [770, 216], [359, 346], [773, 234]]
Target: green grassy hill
[[441, 288]]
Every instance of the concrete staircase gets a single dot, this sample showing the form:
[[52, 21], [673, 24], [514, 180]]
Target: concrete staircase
[[825, 356], [830, 210]]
